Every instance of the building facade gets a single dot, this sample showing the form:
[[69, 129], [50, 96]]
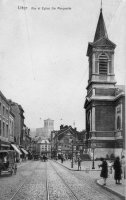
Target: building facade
[[19, 122], [11, 126], [64, 141], [105, 101], [45, 132], [4, 122], [45, 148]]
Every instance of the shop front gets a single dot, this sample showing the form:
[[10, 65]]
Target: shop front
[[4, 144]]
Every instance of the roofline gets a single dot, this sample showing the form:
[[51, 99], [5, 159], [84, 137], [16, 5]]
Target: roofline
[[2, 95]]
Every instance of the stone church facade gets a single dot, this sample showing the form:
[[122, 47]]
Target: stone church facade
[[105, 101]]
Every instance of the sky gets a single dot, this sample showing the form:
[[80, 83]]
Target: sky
[[43, 62]]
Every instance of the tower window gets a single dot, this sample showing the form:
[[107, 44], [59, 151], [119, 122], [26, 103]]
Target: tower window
[[118, 123], [103, 64]]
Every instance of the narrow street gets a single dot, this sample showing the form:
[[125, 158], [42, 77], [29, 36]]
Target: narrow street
[[37, 180]]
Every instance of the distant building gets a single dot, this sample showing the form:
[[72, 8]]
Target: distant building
[[41, 132], [44, 147], [105, 101], [32, 133], [62, 141], [45, 132]]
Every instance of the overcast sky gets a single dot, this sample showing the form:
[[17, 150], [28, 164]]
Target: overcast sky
[[43, 62]]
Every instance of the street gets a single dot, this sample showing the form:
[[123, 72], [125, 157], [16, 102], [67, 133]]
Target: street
[[37, 180]]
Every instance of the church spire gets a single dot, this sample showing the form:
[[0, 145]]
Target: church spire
[[101, 5], [101, 28]]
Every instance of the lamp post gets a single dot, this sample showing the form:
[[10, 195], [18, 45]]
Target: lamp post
[[72, 155], [93, 146]]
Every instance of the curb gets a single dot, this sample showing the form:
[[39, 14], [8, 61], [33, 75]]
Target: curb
[[110, 190], [65, 166], [75, 169]]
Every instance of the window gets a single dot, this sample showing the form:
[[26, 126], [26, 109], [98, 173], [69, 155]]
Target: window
[[6, 112], [103, 64], [118, 123], [0, 127], [3, 110], [12, 129], [3, 129], [7, 130]]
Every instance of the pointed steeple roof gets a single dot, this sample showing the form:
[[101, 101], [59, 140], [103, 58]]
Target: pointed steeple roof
[[101, 28], [101, 37]]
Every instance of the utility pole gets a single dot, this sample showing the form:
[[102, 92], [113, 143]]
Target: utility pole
[[72, 155]]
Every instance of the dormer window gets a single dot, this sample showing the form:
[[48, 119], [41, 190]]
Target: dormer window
[[103, 64]]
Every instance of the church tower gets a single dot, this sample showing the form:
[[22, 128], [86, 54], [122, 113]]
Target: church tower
[[99, 103]]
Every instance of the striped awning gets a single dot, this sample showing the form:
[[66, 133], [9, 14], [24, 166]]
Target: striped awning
[[24, 151], [16, 149]]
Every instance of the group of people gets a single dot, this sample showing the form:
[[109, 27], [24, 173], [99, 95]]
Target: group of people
[[118, 166]]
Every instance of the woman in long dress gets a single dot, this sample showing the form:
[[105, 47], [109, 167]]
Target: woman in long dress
[[104, 171], [118, 170]]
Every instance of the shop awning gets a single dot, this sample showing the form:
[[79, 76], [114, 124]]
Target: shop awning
[[16, 149], [24, 151]]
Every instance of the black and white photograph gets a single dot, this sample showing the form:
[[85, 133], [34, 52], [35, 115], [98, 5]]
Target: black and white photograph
[[62, 99]]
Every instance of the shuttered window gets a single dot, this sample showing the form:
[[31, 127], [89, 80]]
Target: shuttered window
[[103, 64]]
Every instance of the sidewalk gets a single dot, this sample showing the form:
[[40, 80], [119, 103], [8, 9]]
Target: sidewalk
[[86, 166]]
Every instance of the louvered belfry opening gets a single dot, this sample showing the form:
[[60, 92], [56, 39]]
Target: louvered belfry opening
[[103, 64]]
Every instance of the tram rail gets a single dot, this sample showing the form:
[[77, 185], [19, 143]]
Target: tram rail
[[74, 196], [97, 192], [47, 187], [15, 195]]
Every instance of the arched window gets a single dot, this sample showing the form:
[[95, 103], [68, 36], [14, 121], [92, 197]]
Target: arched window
[[88, 121], [103, 64], [118, 123]]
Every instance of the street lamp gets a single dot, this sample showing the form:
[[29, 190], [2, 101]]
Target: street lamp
[[93, 146], [72, 155]]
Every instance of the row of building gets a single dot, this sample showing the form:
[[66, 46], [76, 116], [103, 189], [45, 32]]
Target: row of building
[[66, 141], [14, 134]]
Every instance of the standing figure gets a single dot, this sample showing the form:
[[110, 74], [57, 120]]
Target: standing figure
[[110, 164], [118, 170], [104, 170], [79, 163], [123, 163], [44, 158], [61, 158]]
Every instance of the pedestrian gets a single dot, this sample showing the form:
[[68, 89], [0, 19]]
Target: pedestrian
[[61, 158], [44, 158], [15, 165], [79, 163], [123, 164], [104, 170], [110, 164], [118, 170]]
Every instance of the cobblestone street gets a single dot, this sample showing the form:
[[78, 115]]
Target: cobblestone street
[[37, 180]]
